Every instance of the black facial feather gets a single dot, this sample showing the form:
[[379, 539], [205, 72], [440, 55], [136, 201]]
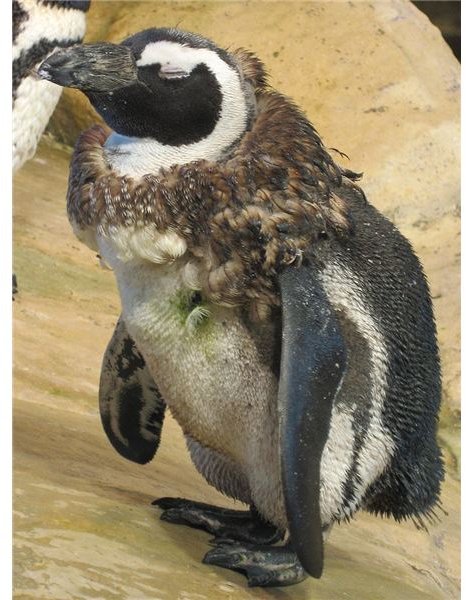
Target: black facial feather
[[174, 112]]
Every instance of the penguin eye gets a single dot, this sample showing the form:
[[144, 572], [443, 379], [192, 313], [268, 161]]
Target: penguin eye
[[172, 72]]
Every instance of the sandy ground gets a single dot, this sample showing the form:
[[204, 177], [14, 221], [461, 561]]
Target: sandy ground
[[84, 526]]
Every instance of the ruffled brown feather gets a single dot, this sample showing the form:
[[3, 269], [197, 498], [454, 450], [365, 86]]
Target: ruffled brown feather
[[243, 218], [252, 68]]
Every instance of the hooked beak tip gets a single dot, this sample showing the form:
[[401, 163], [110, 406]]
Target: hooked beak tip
[[43, 73], [56, 68]]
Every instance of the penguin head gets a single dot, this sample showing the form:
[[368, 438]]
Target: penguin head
[[175, 87]]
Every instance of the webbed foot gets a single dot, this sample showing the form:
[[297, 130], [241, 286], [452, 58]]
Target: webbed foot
[[264, 566], [239, 525]]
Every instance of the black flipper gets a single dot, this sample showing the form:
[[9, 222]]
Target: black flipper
[[312, 365], [131, 407]]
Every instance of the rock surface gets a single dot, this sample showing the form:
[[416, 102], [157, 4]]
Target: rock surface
[[381, 85]]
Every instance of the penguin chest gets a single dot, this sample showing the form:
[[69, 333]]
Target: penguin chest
[[34, 104], [204, 359]]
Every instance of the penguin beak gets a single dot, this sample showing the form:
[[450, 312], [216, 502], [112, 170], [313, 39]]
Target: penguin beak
[[91, 67]]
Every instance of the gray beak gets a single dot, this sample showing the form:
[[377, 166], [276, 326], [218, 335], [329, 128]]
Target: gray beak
[[91, 67]]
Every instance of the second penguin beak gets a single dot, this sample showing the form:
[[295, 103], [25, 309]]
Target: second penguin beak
[[96, 68]]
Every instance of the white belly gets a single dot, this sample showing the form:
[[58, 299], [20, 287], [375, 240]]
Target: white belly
[[211, 375]]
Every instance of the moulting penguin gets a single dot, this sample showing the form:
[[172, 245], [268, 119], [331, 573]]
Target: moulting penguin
[[283, 320]]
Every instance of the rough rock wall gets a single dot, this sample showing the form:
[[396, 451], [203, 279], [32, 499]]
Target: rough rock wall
[[378, 82]]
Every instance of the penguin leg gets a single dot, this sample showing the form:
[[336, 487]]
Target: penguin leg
[[225, 524], [264, 566]]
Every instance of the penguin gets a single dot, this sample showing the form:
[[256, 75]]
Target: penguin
[[39, 27], [282, 319]]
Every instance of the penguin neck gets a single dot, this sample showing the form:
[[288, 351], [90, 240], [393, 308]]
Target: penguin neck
[[136, 157]]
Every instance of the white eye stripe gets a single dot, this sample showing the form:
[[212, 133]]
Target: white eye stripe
[[172, 55]]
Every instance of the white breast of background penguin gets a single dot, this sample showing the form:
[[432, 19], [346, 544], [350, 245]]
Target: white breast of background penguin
[[35, 99], [59, 23]]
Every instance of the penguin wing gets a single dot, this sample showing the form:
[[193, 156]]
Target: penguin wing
[[312, 365], [131, 407]]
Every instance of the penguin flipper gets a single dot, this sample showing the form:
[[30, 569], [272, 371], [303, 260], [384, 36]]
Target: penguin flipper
[[131, 407], [312, 364]]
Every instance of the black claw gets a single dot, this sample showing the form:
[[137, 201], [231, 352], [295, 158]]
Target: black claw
[[257, 578], [226, 560]]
